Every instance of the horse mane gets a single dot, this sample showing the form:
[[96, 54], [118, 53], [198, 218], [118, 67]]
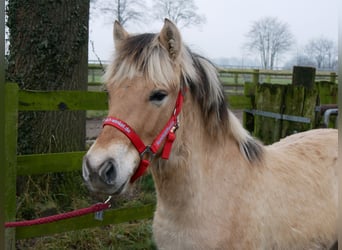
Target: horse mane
[[143, 55]]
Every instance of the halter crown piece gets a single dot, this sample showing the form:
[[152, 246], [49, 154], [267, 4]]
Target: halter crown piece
[[167, 133]]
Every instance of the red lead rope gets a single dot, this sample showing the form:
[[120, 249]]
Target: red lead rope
[[167, 134], [83, 211]]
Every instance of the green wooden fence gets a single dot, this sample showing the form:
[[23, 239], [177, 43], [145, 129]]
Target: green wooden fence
[[280, 110], [233, 77], [260, 102]]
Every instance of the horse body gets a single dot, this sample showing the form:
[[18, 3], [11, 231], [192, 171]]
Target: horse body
[[221, 201], [219, 188]]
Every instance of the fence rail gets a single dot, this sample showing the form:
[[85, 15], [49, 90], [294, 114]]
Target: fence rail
[[87, 221], [233, 76]]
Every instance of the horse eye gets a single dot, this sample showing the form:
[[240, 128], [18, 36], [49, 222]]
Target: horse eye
[[157, 96]]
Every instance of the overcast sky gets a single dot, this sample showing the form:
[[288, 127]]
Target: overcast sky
[[228, 21]]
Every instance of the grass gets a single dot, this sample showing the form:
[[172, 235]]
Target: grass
[[133, 235], [97, 113]]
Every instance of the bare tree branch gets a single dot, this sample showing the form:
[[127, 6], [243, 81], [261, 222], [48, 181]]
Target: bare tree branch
[[270, 38], [323, 51], [98, 58], [181, 12], [124, 11]]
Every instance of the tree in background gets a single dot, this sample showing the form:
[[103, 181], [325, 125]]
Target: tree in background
[[181, 12], [323, 51], [49, 51], [270, 38], [124, 11], [299, 59], [318, 52]]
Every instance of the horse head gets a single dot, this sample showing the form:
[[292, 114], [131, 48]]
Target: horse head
[[144, 91]]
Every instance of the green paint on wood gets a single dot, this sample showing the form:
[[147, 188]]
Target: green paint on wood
[[238, 101], [293, 105], [309, 105], [62, 100], [327, 92], [49, 163], [269, 97], [2, 126], [256, 76], [249, 89], [110, 217], [248, 119], [11, 117]]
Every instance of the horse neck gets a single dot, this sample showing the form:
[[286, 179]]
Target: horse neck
[[196, 164]]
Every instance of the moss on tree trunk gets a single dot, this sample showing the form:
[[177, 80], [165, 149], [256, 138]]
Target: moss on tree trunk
[[49, 51]]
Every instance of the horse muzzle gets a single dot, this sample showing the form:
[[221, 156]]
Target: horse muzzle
[[102, 180], [108, 174]]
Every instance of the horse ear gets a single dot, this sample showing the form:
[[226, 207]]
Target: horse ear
[[119, 34], [170, 38]]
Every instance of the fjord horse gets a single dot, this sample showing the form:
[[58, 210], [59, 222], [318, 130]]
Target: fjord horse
[[217, 187]]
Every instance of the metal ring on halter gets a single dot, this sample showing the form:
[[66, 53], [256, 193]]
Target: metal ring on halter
[[108, 199], [174, 128], [147, 150]]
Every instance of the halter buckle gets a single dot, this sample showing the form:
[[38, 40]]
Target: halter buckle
[[150, 153], [175, 127]]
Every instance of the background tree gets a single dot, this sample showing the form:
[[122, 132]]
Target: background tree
[[323, 51], [49, 51], [299, 60], [270, 38], [125, 11], [318, 52], [181, 12]]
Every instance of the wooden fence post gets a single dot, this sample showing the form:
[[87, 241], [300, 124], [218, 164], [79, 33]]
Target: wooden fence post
[[248, 118], [268, 78], [255, 76], [327, 92], [236, 78], [10, 173], [293, 99], [333, 77], [309, 108], [2, 126], [269, 104], [299, 103], [303, 76]]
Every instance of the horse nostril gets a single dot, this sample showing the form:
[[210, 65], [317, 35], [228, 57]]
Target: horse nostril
[[108, 173]]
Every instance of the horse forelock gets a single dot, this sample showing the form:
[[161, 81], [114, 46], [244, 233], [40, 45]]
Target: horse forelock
[[142, 56]]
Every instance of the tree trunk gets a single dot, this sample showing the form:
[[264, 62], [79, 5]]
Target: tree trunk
[[49, 51]]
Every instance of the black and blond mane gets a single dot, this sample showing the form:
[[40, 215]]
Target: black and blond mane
[[144, 56]]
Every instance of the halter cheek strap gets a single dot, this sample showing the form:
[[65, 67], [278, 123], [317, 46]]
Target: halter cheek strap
[[167, 134]]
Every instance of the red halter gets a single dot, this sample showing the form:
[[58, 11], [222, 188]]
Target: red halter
[[167, 132]]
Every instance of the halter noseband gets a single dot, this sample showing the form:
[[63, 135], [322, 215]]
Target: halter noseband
[[167, 132]]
